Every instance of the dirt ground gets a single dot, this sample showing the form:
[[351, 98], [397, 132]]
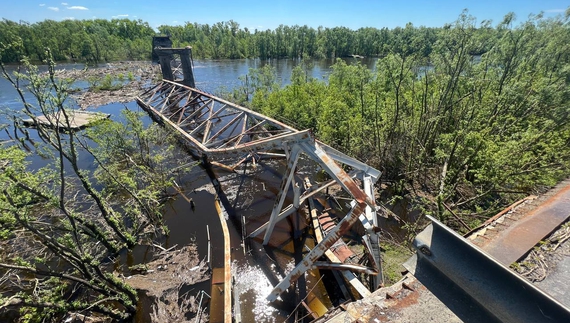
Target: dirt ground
[[161, 282]]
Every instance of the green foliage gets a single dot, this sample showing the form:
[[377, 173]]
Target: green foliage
[[393, 257], [89, 41], [100, 40], [106, 83], [65, 221], [475, 121]]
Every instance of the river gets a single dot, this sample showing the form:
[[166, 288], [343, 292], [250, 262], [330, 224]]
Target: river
[[251, 195]]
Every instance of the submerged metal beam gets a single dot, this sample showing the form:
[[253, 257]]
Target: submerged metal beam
[[491, 287]]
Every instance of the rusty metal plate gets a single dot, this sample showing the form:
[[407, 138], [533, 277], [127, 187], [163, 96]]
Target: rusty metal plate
[[518, 239]]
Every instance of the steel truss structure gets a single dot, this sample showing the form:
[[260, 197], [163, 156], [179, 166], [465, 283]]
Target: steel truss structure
[[219, 129]]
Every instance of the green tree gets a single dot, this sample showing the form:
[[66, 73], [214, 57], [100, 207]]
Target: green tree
[[63, 224]]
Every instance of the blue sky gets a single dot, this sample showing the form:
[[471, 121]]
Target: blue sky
[[270, 14]]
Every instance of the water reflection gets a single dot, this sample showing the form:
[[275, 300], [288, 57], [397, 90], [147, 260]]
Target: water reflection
[[214, 75], [252, 287]]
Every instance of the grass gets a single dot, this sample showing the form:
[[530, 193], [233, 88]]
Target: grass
[[107, 83], [393, 257]]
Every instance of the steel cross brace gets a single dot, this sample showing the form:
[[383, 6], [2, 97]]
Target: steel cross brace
[[362, 201], [285, 183], [257, 133]]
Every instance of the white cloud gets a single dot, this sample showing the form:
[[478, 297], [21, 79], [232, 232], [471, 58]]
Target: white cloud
[[122, 16], [42, 4], [77, 8], [64, 3], [554, 10], [53, 8], [69, 18]]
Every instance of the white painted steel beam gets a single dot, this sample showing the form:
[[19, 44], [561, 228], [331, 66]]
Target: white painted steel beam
[[286, 182], [193, 114], [307, 262], [347, 160]]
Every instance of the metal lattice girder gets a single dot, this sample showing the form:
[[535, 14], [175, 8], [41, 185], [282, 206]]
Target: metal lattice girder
[[307, 263], [362, 200], [365, 170], [214, 126], [315, 151], [218, 129], [286, 182]]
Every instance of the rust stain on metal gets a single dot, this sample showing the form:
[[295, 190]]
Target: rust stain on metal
[[516, 240], [197, 116], [498, 215], [227, 300], [319, 250]]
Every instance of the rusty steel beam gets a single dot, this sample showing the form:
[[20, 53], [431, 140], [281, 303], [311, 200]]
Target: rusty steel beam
[[218, 128], [274, 122], [292, 208], [355, 164], [264, 144], [359, 208], [336, 233], [340, 266], [348, 275], [490, 286], [204, 112], [337, 173]]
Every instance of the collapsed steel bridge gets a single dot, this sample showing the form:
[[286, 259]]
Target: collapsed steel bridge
[[218, 129]]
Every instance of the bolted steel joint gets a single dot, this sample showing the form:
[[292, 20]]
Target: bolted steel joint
[[425, 250]]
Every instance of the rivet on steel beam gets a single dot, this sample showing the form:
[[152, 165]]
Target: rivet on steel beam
[[407, 286], [425, 250]]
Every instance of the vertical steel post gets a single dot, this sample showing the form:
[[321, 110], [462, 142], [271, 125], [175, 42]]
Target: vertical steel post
[[165, 66], [372, 237], [187, 67], [284, 188]]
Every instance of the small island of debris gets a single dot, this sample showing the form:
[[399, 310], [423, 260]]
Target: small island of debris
[[114, 82]]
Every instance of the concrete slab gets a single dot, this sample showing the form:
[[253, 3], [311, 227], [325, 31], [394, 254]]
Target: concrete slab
[[556, 282], [78, 119]]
